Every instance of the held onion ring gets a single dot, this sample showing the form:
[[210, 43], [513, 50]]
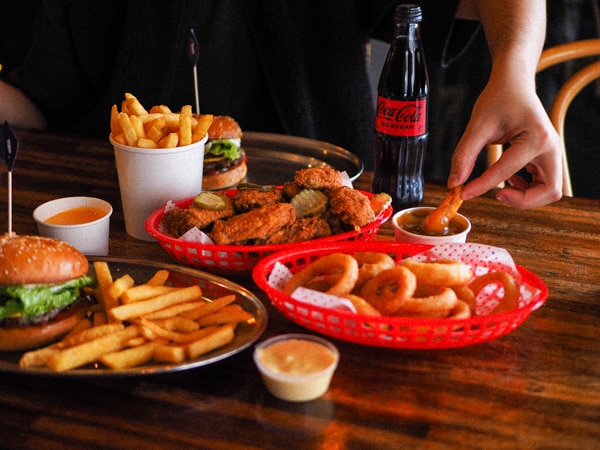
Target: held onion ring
[[511, 289], [369, 265], [431, 302], [389, 289], [338, 270], [440, 217], [440, 272]]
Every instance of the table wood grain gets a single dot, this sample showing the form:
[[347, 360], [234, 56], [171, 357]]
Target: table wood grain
[[535, 388]]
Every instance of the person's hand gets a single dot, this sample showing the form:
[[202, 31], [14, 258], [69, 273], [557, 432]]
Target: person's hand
[[511, 112]]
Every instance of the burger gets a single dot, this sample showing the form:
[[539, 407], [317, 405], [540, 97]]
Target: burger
[[40, 283], [224, 158]]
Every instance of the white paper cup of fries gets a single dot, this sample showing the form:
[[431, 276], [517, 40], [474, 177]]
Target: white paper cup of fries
[[148, 178], [87, 227]]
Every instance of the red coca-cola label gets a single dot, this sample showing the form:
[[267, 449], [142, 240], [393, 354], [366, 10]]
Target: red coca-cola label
[[401, 117]]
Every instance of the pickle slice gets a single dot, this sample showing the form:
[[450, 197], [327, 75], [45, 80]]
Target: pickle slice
[[309, 202], [210, 201]]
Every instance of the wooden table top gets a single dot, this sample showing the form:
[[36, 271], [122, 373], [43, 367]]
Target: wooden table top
[[536, 387]]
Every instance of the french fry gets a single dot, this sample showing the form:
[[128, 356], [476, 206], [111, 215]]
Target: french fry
[[173, 336], [185, 126], [171, 119], [138, 127], [160, 109], [90, 351], [170, 354], [146, 143], [38, 357], [169, 141], [138, 309], [159, 278], [83, 324], [131, 357], [120, 139], [180, 309], [228, 314], [115, 126], [208, 307], [90, 334], [104, 279], [134, 106], [218, 338], [144, 292], [99, 318], [177, 323], [201, 128], [128, 131], [120, 285]]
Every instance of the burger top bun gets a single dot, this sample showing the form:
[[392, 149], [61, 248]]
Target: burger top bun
[[39, 260], [224, 127]]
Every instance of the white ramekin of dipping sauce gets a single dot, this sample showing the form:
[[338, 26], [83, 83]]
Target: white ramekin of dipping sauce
[[83, 222], [296, 367], [457, 233]]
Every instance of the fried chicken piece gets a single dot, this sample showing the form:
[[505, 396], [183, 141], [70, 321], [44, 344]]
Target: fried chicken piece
[[290, 189], [302, 229], [351, 207], [178, 222], [253, 226], [246, 199], [318, 178]]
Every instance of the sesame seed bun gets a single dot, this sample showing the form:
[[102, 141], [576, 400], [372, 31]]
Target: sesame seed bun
[[39, 260]]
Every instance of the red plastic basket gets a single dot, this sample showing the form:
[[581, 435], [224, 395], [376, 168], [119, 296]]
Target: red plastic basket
[[393, 332], [241, 259]]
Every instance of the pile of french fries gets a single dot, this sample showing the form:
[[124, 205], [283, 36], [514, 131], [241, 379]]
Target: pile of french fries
[[158, 128], [135, 324]]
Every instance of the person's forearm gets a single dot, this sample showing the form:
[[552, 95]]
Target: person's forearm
[[515, 32], [18, 109]]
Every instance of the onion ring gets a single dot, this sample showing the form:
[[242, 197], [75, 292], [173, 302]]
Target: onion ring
[[461, 311], [439, 273], [432, 302], [467, 296], [389, 289], [338, 269], [362, 306], [437, 221], [369, 265], [511, 287]]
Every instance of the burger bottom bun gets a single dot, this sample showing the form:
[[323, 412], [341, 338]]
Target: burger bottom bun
[[33, 336], [225, 179]]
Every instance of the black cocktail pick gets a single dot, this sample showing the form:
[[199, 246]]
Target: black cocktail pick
[[9, 146], [193, 54]]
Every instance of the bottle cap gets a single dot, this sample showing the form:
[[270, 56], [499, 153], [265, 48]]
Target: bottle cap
[[408, 13]]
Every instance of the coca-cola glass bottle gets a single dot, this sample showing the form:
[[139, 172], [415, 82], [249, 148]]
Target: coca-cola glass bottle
[[401, 117]]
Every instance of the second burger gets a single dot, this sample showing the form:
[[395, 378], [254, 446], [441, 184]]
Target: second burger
[[224, 158]]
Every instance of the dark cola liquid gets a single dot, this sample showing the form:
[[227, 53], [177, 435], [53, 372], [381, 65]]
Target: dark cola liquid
[[399, 169], [401, 116]]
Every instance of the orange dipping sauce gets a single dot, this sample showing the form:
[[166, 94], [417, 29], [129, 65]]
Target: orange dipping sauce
[[76, 216]]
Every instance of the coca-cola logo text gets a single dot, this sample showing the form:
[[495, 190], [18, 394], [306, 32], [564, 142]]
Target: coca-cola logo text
[[408, 113], [401, 117]]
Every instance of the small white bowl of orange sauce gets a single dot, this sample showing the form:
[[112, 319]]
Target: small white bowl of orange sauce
[[83, 222], [296, 367], [408, 227]]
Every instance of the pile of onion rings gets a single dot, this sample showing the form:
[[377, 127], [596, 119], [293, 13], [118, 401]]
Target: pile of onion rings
[[377, 285]]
